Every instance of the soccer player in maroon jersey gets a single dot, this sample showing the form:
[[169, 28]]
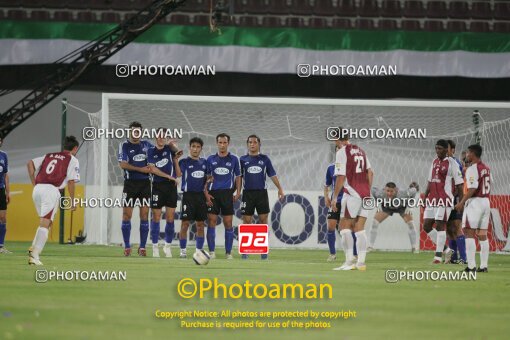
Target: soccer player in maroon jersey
[[439, 196], [49, 174], [477, 209], [354, 175]]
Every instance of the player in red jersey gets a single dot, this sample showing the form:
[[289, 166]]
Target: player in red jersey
[[354, 175], [439, 196], [477, 209], [49, 174]]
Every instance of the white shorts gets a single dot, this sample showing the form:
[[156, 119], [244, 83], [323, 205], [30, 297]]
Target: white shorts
[[437, 213], [352, 207], [46, 199], [477, 212]]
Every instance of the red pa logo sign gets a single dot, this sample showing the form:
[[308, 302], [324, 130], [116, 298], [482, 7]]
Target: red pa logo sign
[[253, 239]]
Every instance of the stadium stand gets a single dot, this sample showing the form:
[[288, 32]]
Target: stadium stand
[[452, 16]]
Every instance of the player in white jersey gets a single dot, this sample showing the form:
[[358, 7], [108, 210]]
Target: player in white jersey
[[477, 209], [49, 174], [353, 175]]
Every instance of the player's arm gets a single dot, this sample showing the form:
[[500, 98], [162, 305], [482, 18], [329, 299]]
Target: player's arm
[[208, 197], [276, 182], [327, 184], [340, 172], [327, 200], [7, 188], [429, 179], [178, 171], [370, 173], [154, 170], [238, 188], [174, 148], [239, 179], [472, 185], [31, 171], [468, 195], [124, 165], [458, 178], [123, 161]]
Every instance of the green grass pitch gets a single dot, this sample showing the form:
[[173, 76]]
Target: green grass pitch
[[125, 310]]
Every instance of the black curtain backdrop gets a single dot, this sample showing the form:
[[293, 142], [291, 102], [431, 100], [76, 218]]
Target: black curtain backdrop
[[103, 79]]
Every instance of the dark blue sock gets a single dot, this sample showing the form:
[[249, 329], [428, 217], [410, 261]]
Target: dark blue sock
[[144, 232], [200, 242], [461, 244], [183, 243], [229, 240], [126, 233], [354, 250], [331, 241], [211, 238], [154, 232], [169, 232], [453, 246], [3, 231]]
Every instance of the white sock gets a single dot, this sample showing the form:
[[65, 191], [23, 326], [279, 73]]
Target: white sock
[[347, 244], [412, 234], [441, 240], [433, 236], [41, 236], [361, 246], [484, 253], [155, 245], [167, 244], [470, 252], [373, 232]]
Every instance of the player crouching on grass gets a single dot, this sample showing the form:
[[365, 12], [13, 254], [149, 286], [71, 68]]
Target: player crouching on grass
[[254, 168], [334, 216], [194, 207], [4, 198], [162, 162], [49, 174], [444, 174], [354, 175], [389, 193], [477, 209]]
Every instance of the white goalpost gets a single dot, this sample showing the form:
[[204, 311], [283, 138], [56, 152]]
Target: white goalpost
[[293, 134]]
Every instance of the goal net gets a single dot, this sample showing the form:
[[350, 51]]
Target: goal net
[[293, 134]]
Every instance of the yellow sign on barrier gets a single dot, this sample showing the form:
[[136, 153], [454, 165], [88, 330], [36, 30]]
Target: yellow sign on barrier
[[22, 219]]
